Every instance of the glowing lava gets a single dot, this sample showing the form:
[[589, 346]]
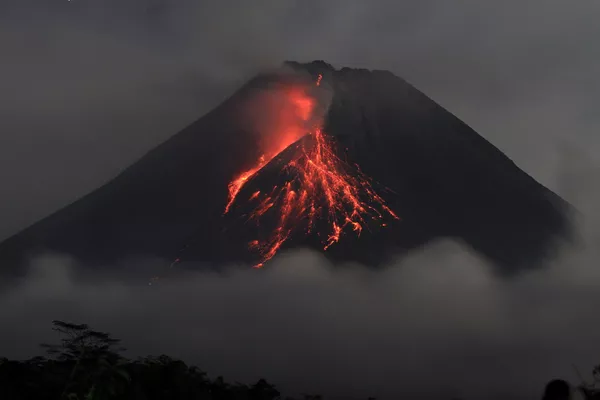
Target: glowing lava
[[322, 186], [290, 124], [236, 185]]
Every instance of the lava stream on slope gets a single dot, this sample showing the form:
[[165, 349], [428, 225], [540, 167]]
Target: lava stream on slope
[[320, 186]]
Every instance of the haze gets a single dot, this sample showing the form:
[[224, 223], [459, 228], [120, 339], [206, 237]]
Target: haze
[[88, 86]]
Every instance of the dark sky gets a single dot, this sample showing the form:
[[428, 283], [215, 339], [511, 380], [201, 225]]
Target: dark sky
[[88, 86]]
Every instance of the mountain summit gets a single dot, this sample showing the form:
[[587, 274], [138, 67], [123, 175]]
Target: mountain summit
[[357, 163]]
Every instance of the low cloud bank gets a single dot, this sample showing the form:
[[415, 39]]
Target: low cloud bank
[[436, 321]]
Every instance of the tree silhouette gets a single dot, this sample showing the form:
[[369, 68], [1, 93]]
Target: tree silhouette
[[88, 365], [97, 368]]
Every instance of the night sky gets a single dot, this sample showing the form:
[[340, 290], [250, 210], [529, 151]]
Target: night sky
[[88, 86]]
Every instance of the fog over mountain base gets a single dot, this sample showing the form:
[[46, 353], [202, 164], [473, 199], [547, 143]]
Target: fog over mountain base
[[436, 321]]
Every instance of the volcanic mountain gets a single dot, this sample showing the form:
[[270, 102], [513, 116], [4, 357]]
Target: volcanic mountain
[[356, 163]]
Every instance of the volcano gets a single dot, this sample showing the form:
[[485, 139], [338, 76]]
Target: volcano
[[355, 163]]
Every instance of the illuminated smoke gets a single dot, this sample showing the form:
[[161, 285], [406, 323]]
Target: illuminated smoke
[[322, 187]]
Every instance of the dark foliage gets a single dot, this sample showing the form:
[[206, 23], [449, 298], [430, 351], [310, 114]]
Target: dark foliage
[[87, 365]]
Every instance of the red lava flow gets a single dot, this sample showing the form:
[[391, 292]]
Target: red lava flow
[[322, 186]]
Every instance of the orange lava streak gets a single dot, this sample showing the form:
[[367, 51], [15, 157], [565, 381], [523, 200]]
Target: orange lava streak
[[295, 113], [322, 187], [235, 186]]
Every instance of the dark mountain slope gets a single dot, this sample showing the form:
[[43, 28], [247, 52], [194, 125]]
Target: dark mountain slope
[[448, 181]]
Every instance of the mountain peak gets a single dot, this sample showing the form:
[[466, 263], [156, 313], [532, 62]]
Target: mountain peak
[[385, 139], [314, 67]]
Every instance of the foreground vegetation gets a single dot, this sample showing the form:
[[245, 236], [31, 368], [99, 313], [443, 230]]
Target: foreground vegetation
[[87, 365]]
